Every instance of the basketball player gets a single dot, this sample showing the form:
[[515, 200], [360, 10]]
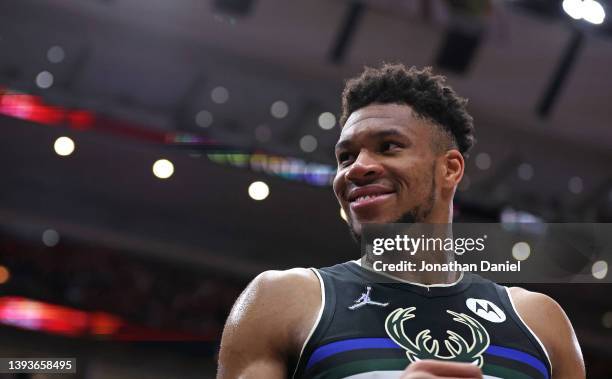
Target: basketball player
[[400, 158]]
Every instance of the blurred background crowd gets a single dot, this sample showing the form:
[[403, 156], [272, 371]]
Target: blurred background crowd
[[157, 155]]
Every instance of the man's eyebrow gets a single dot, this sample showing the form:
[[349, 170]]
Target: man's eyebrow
[[343, 144], [387, 133], [376, 135]]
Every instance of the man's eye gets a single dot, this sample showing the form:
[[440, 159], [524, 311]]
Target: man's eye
[[386, 146], [344, 157]]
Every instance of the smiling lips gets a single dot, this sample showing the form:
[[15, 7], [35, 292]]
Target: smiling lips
[[367, 197]]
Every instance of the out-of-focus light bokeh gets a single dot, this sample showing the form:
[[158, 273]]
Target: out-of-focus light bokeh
[[259, 190], [64, 146], [163, 168]]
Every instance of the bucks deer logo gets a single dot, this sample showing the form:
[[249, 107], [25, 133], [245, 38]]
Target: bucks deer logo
[[426, 347]]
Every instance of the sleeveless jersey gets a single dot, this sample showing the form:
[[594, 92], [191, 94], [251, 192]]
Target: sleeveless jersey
[[370, 328]]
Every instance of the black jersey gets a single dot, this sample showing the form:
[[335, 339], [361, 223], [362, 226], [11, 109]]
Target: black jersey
[[371, 329]]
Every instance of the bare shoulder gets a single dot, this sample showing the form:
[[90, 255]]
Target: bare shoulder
[[545, 317], [269, 322], [278, 298], [281, 294], [536, 305]]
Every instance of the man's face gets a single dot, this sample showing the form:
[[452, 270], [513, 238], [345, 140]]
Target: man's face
[[386, 167]]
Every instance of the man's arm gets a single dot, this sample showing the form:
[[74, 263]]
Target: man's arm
[[268, 325], [431, 369], [550, 323]]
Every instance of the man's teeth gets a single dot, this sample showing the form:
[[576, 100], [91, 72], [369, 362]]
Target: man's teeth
[[366, 197]]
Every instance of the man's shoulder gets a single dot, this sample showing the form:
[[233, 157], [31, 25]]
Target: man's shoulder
[[269, 323], [282, 301], [536, 306], [284, 282], [277, 306], [296, 278], [548, 321]]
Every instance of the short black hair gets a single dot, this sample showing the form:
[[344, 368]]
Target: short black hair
[[427, 94]]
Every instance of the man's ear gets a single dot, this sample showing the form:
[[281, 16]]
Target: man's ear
[[453, 165]]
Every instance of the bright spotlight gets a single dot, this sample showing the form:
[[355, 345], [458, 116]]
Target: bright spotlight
[[258, 190], [163, 168], [589, 10], [593, 12], [63, 146], [573, 8]]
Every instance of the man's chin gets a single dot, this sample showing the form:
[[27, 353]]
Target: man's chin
[[407, 218], [356, 228]]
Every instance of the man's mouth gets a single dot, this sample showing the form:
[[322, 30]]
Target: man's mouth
[[366, 197], [368, 201], [362, 199]]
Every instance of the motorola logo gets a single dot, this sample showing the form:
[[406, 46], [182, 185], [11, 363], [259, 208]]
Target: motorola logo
[[486, 309]]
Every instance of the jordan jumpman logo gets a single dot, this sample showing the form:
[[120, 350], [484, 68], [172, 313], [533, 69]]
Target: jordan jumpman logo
[[364, 299]]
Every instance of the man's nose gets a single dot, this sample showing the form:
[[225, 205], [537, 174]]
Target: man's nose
[[365, 169]]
